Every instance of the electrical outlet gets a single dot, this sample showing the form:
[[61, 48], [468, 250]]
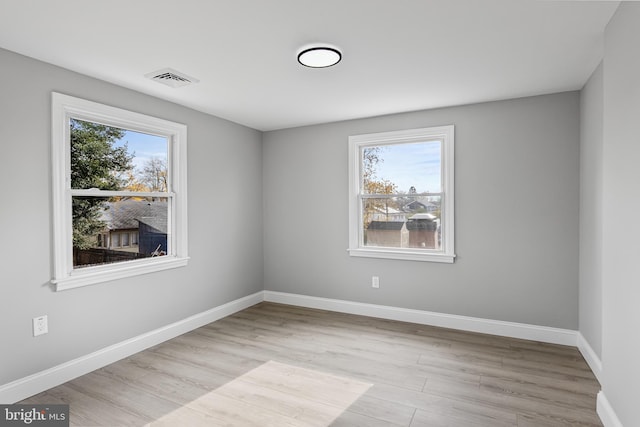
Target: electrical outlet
[[375, 282], [40, 325]]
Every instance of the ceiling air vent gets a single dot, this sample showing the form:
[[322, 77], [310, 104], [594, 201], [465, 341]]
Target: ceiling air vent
[[171, 77]]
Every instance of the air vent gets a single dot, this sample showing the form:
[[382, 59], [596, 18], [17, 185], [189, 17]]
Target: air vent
[[171, 78]]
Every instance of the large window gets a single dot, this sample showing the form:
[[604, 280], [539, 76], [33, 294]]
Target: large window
[[402, 195], [119, 193]]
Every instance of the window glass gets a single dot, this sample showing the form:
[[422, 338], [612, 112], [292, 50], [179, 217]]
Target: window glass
[[403, 168], [148, 215], [402, 195], [119, 193], [402, 222], [114, 159]]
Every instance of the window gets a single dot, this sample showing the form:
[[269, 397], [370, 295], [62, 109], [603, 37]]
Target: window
[[115, 171], [401, 194], [115, 242]]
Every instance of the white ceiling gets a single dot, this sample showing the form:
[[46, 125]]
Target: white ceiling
[[399, 55]]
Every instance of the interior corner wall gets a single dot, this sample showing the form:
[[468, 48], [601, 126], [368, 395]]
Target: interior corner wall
[[225, 226], [517, 204], [621, 202], [591, 224]]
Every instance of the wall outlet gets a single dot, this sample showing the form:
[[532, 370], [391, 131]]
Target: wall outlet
[[40, 325], [375, 282]]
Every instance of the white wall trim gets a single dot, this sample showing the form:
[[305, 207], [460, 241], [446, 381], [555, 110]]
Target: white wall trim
[[473, 324], [606, 413], [33, 384], [590, 356]]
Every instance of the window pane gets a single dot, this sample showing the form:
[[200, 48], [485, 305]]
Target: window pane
[[124, 220], [402, 168], [111, 158], [402, 222]]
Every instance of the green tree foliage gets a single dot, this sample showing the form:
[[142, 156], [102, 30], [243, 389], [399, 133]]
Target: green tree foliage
[[96, 162]]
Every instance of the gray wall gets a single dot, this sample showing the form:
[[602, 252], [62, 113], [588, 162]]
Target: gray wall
[[225, 226], [517, 201], [621, 234], [591, 140]]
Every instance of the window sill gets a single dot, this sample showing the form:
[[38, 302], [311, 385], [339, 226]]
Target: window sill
[[406, 255], [93, 275]]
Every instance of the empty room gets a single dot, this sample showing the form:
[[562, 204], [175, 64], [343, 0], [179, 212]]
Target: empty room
[[336, 213]]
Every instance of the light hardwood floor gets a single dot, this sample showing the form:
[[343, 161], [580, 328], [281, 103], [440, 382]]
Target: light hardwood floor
[[277, 365]]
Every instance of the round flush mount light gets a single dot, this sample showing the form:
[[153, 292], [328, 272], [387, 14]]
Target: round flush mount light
[[319, 56]]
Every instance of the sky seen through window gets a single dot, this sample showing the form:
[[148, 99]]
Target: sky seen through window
[[407, 165]]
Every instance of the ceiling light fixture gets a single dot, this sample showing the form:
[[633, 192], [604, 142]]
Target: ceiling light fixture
[[319, 56]]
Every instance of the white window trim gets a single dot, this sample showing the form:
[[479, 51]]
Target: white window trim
[[356, 247], [65, 107]]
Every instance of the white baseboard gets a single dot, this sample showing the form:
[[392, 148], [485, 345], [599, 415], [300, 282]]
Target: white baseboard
[[606, 413], [590, 356], [44, 380], [473, 324]]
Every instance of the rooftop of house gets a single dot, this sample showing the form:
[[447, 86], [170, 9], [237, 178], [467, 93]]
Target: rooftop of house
[[385, 225], [128, 213]]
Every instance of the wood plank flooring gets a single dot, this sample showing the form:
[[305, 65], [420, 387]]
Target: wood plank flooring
[[277, 365]]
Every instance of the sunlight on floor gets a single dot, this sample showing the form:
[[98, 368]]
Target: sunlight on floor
[[273, 394]]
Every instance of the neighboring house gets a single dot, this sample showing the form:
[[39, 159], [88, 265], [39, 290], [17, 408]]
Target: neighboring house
[[423, 231], [430, 207], [387, 214], [387, 233], [153, 235], [416, 206], [136, 226]]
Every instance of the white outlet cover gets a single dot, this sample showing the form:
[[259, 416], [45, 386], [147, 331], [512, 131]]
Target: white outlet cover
[[40, 325], [375, 282]]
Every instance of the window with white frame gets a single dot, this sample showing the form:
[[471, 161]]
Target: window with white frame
[[115, 171], [401, 195]]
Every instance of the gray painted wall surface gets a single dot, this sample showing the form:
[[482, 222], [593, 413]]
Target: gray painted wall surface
[[225, 226], [517, 201], [621, 234], [591, 140]]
